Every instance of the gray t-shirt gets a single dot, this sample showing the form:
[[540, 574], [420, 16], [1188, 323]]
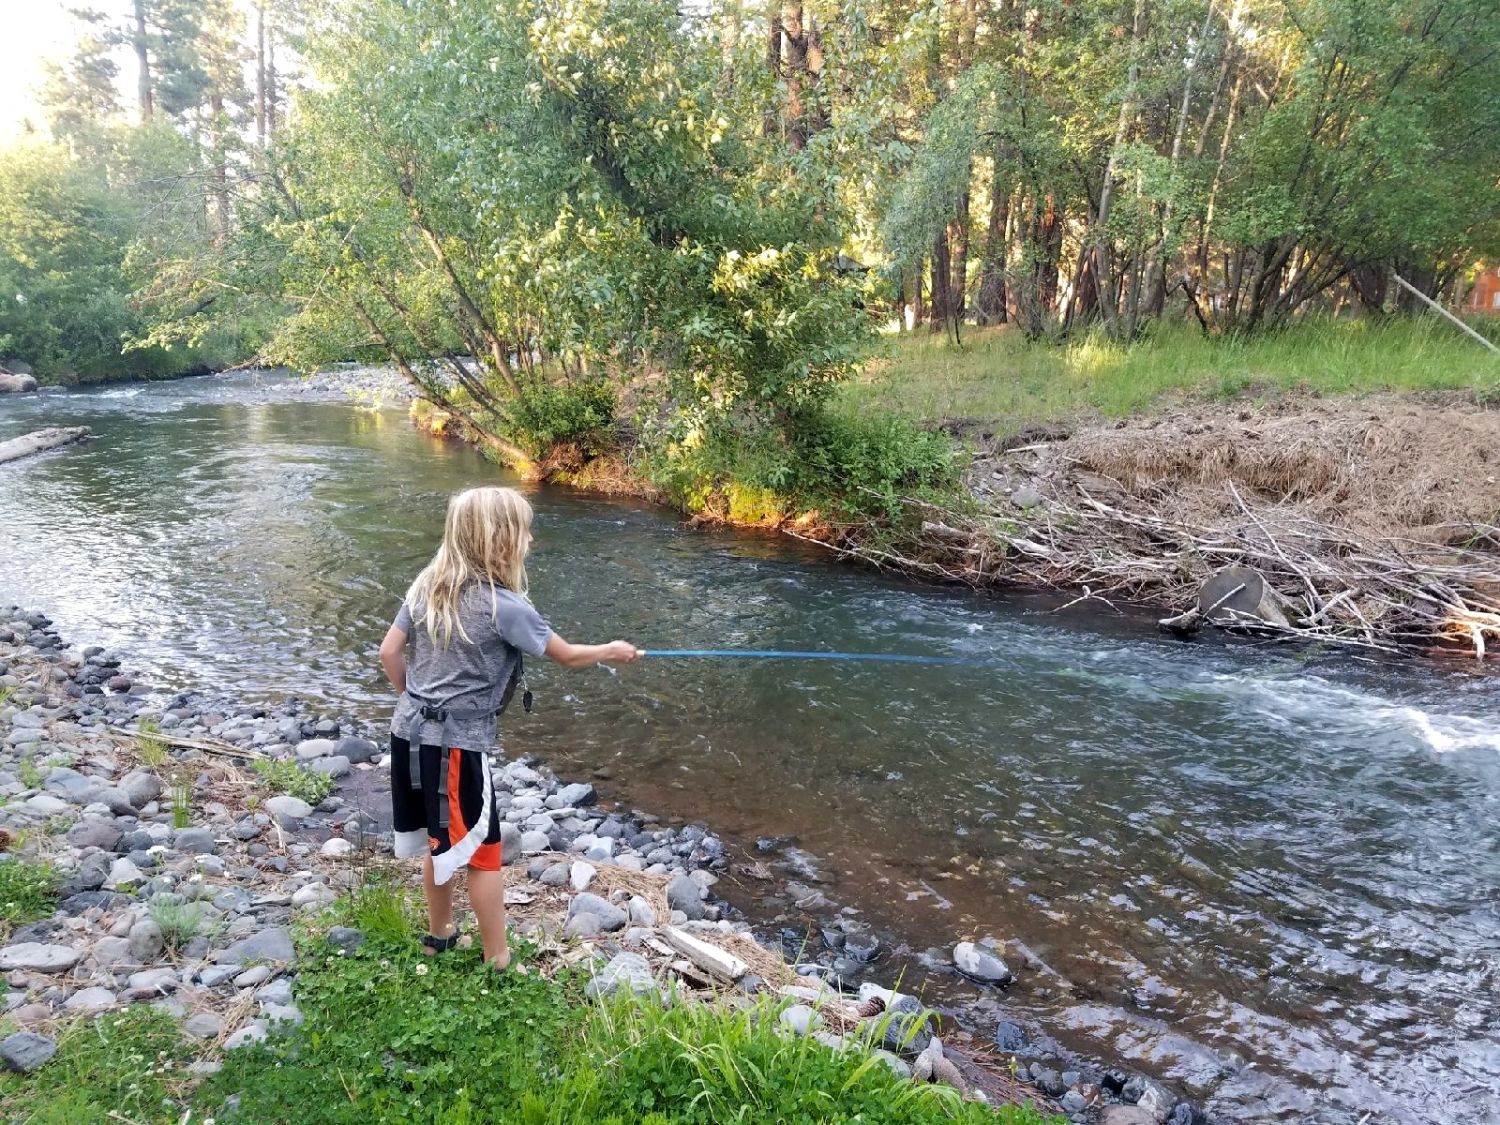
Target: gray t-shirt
[[467, 673]]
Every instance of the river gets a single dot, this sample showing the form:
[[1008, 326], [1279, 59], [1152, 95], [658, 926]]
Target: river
[[1270, 878]]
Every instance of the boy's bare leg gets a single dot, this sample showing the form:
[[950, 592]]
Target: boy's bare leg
[[439, 904], [487, 897]]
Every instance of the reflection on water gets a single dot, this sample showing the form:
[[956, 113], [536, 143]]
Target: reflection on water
[[1271, 881]]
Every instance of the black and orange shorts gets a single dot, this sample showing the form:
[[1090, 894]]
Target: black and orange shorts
[[451, 815]]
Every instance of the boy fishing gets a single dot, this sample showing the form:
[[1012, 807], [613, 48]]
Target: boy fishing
[[455, 656]]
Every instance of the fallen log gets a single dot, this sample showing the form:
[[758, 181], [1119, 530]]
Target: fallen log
[[39, 441]]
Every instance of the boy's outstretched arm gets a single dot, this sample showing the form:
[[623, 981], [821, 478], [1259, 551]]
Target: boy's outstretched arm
[[393, 658], [586, 656]]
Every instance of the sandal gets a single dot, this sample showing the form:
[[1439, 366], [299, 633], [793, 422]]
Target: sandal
[[432, 946]]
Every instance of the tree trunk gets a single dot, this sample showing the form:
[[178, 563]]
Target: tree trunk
[[260, 73], [795, 57], [220, 170], [991, 303], [771, 120], [143, 62], [958, 286], [941, 302]]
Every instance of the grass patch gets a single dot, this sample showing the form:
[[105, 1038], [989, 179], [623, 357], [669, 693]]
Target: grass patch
[[180, 922], [129, 1066], [153, 748], [29, 773], [285, 775], [998, 375], [28, 891], [392, 1036]]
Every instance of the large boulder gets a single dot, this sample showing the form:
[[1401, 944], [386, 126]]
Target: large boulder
[[16, 384]]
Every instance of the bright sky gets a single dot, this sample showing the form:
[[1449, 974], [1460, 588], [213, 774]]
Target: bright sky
[[35, 30]]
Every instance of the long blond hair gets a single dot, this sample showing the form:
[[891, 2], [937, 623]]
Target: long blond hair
[[485, 539]]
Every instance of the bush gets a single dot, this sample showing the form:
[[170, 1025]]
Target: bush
[[842, 465], [283, 775], [28, 891], [548, 414]]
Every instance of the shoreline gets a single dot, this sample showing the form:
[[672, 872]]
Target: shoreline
[[105, 820], [1390, 550]]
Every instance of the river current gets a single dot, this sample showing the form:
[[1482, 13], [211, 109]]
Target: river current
[[1271, 879]]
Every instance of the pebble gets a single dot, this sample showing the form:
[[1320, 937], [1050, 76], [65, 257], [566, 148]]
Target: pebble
[[610, 917], [251, 977], [204, 1025], [624, 970], [195, 841], [24, 1050], [800, 1019], [980, 964], [95, 999], [581, 874], [274, 944], [345, 938], [685, 895], [286, 807], [251, 1033], [337, 847], [38, 957]]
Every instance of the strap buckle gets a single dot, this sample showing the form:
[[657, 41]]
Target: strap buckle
[[433, 714]]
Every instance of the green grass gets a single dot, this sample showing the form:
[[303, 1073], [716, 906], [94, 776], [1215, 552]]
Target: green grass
[[997, 375], [393, 1036], [154, 751], [28, 891], [283, 775]]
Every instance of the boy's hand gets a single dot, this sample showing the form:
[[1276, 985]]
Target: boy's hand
[[619, 652]]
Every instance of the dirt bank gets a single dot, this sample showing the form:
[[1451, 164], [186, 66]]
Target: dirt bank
[[1374, 519]]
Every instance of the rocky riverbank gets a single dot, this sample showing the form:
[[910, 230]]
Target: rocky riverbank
[[185, 881]]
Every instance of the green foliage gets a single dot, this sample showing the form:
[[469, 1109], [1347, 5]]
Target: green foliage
[[29, 773], [28, 891], [549, 414], [152, 746], [393, 1036], [286, 775], [697, 1064], [399, 1037], [384, 909], [180, 922], [128, 1064], [1002, 379], [843, 464]]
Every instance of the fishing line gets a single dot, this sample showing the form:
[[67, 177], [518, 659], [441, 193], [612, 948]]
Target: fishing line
[[788, 654]]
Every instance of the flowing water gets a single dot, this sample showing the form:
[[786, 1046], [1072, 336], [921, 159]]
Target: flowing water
[[1267, 878]]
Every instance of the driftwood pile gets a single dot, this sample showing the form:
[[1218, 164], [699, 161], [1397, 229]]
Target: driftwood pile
[[1322, 583]]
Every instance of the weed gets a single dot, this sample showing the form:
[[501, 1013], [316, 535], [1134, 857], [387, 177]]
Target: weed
[[129, 1066], [182, 808], [283, 775], [153, 748], [28, 891], [180, 922], [383, 908], [30, 773], [6, 695]]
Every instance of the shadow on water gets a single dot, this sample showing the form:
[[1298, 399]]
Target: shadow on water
[[1271, 880]]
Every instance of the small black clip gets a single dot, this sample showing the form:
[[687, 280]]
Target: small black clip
[[526, 701]]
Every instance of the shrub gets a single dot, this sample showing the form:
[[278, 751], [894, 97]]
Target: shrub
[[579, 412], [283, 775]]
